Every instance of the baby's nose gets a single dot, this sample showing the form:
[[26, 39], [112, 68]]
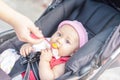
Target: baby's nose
[[60, 40]]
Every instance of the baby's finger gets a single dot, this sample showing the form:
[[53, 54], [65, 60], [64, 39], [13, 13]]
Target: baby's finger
[[45, 50], [22, 52], [42, 51], [49, 50], [26, 51]]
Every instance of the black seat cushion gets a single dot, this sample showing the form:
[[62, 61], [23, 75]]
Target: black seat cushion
[[97, 16], [99, 19]]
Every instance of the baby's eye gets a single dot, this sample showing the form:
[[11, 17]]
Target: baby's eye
[[59, 34], [67, 41]]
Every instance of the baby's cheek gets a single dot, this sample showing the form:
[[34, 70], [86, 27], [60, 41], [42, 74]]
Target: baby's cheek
[[63, 52], [52, 40], [60, 52]]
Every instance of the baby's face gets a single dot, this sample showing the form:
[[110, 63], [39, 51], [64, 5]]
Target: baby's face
[[67, 40]]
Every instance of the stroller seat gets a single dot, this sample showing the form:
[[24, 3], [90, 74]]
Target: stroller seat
[[98, 17]]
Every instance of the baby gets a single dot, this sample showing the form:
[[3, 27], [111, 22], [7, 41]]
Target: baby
[[69, 36], [56, 51]]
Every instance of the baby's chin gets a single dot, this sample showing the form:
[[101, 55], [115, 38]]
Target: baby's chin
[[55, 53], [63, 54]]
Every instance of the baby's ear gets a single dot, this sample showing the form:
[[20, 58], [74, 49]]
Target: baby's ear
[[75, 50], [71, 54]]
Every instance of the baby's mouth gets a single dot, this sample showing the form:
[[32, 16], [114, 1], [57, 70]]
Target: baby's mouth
[[54, 45], [55, 48]]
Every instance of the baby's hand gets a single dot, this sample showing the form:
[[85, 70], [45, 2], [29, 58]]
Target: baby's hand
[[26, 49], [46, 55]]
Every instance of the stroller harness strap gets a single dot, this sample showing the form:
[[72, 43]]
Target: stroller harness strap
[[28, 74], [17, 69], [29, 68]]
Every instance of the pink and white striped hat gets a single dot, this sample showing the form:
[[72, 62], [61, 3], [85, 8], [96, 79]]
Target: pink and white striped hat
[[82, 33]]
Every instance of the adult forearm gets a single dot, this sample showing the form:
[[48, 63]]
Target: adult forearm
[[22, 25], [8, 14]]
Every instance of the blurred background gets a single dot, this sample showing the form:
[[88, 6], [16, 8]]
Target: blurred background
[[30, 8]]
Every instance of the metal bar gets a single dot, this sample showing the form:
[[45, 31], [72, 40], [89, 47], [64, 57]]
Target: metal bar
[[115, 54]]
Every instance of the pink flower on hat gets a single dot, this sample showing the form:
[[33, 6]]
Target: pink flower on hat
[[82, 33]]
